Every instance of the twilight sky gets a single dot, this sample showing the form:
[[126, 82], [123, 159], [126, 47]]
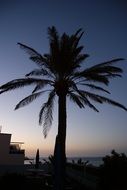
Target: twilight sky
[[105, 25]]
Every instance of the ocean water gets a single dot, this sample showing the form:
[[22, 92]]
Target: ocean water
[[95, 161]]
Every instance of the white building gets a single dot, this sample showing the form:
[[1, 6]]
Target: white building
[[11, 153]]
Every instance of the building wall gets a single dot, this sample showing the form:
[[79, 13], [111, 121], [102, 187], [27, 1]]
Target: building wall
[[16, 159], [4, 147], [5, 157]]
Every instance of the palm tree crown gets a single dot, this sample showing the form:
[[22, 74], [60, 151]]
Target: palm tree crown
[[61, 72]]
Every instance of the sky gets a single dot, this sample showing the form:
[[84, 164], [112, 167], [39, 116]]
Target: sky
[[104, 23]]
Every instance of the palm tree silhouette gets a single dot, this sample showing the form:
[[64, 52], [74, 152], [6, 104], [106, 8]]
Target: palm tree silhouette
[[61, 73]]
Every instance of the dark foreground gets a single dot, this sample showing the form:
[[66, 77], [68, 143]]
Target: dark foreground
[[17, 181], [111, 175]]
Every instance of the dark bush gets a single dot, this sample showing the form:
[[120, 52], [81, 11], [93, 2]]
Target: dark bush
[[113, 173]]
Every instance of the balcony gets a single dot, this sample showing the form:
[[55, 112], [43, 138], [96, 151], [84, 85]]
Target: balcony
[[15, 148]]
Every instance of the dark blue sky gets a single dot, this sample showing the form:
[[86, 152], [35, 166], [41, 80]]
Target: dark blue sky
[[105, 37]]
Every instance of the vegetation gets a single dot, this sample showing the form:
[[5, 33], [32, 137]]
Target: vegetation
[[37, 159], [50, 160], [61, 72], [113, 171], [110, 175]]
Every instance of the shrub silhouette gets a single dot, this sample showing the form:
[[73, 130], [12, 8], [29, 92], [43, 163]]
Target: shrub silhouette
[[113, 171]]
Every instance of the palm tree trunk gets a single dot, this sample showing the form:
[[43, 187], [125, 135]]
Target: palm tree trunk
[[60, 146]]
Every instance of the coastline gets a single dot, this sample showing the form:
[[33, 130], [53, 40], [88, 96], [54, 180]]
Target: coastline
[[96, 161]]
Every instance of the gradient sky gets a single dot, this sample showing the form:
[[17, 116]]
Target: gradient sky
[[105, 25]]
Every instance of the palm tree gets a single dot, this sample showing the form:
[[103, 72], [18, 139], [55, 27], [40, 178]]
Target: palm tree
[[61, 73]]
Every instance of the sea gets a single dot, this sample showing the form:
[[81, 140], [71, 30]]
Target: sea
[[95, 161]]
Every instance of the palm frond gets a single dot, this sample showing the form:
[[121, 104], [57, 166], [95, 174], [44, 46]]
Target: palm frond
[[96, 78], [94, 87], [77, 36], [78, 50], [89, 104], [53, 34], [29, 50], [102, 99], [45, 114], [34, 55], [85, 100], [81, 101], [89, 95], [103, 70], [88, 76], [113, 61], [65, 54], [41, 61], [111, 75], [77, 32], [37, 72], [76, 99], [38, 87], [112, 102], [28, 100], [80, 58], [18, 83]]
